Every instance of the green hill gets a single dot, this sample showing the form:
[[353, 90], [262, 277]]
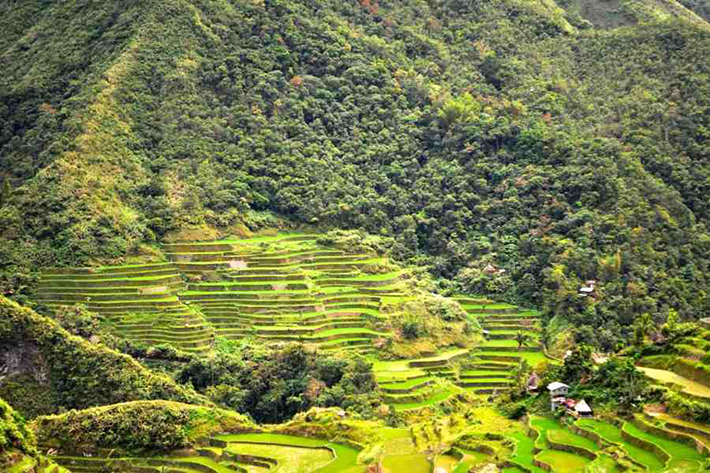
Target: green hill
[[503, 131], [135, 426], [352, 214], [47, 370]]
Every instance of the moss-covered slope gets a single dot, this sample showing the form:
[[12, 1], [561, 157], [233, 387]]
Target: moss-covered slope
[[137, 426], [47, 370]]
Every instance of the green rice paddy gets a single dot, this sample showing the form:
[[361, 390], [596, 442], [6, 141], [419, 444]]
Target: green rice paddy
[[296, 454], [681, 455], [412, 463], [438, 396], [687, 385], [563, 462], [701, 430], [533, 358], [612, 434], [285, 287], [524, 454]]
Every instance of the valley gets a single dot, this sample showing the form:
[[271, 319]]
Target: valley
[[358, 236]]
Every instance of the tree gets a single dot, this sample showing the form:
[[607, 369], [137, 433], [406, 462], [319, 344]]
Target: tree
[[642, 327], [522, 338], [458, 110], [578, 364], [5, 192], [522, 375]]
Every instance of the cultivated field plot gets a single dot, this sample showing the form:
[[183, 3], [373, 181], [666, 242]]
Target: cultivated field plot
[[511, 334], [246, 453], [650, 449], [687, 385], [599, 445], [281, 288], [289, 288]]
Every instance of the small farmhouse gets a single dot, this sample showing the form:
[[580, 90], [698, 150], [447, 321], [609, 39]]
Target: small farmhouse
[[557, 389], [588, 288], [558, 398]]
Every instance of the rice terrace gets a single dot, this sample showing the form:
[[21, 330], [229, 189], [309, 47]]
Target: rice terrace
[[355, 236], [435, 387]]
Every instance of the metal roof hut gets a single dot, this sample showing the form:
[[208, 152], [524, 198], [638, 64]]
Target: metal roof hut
[[558, 389], [582, 409]]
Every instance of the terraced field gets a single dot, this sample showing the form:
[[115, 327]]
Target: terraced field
[[493, 362], [30, 465], [652, 449], [236, 453], [679, 456], [598, 445], [687, 385], [683, 364], [141, 302], [414, 384], [613, 435], [552, 438], [419, 383], [700, 433], [284, 288], [288, 288]]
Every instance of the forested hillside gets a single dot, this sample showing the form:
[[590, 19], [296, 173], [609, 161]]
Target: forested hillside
[[562, 142], [47, 370]]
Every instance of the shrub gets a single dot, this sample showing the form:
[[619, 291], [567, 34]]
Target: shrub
[[137, 426], [14, 434]]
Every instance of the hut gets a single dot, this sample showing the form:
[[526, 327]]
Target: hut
[[582, 409]]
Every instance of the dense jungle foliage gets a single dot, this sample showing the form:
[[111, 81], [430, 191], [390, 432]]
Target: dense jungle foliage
[[272, 385], [50, 371], [562, 142]]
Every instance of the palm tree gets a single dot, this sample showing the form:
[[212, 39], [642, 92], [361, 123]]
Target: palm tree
[[642, 327], [646, 323], [522, 338]]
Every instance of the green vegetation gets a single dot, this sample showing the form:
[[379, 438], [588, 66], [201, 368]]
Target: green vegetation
[[613, 435], [292, 459], [681, 456], [287, 448], [534, 137], [677, 357], [137, 426], [56, 370], [562, 461], [691, 387], [414, 463], [273, 385], [524, 452], [15, 437], [268, 235]]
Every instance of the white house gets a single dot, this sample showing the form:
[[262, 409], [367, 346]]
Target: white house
[[558, 389], [588, 288]]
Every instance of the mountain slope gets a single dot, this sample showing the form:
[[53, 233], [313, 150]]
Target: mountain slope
[[46, 370], [501, 131]]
